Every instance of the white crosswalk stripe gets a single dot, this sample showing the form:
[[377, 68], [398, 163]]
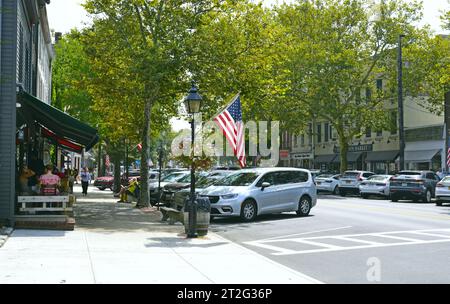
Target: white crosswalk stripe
[[361, 241]]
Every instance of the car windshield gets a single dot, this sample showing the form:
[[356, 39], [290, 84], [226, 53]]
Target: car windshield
[[174, 177], [409, 173], [377, 178], [350, 174], [238, 179], [325, 176]]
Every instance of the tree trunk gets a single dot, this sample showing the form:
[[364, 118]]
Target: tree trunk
[[144, 200], [116, 161], [343, 153]]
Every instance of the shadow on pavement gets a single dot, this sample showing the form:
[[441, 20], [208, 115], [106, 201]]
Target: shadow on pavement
[[171, 242], [99, 211]]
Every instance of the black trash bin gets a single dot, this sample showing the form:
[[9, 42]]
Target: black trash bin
[[203, 213]]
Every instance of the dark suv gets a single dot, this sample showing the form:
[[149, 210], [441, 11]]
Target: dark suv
[[415, 185]]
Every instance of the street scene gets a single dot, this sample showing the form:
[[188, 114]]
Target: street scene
[[224, 142]]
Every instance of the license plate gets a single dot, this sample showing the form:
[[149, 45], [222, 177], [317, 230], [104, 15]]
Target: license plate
[[404, 185]]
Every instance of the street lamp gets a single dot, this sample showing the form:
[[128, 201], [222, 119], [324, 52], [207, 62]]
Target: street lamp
[[192, 103], [400, 104]]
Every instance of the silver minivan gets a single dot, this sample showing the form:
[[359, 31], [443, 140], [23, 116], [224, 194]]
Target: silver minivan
[[252, 192]]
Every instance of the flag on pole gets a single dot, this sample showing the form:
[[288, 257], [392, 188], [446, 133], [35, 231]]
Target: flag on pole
[[107, 161], [232, 126], [139, 147], [448, 157]]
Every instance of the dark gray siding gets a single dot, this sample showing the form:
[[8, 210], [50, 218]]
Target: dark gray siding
[[8, 71]]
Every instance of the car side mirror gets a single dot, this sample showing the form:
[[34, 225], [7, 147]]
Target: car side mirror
[[264, 185]]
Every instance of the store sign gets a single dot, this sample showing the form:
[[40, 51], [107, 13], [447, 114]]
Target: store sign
[[300, 156], [357, 148], [284, 154]]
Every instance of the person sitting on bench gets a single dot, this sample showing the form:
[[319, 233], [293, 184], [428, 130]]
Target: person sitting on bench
[[132, 189], [49, 182]]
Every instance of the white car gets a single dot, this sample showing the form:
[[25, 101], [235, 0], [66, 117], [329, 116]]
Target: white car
[[252, 192], [375, 185], [443, 191], [349, 182], [328, 183]]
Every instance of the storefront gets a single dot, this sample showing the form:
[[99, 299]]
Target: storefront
[[302, 160], [425, 155], [382, 162], [326, 163]]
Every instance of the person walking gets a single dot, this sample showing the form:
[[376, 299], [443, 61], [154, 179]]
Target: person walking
[[85, 179]]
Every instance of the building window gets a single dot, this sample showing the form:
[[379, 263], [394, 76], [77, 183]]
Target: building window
[[368, 132], [326, 130], [295, 139], [379, 133], [20, 65], [380, 84], [302, 140], [310, 133], [319, 133], [393, 123], [368, 94], [332, 133]]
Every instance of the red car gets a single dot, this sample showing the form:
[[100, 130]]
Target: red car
[[104, 182]]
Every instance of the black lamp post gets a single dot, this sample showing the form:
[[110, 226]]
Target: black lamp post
[[192, 103]]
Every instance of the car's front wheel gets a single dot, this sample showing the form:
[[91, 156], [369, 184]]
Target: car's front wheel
[[304, 206], [336, 190], [101, 188], [364, 196], [248, 210], [438, 203]]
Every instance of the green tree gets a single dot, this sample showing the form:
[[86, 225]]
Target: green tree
[[336, 49]]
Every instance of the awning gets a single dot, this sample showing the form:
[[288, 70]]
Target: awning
[[381, 156], [328, 158], [61, 124], [64, 143], [421, 156], [352, 157]]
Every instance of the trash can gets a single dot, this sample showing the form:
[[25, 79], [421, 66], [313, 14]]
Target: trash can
[[203, 213]]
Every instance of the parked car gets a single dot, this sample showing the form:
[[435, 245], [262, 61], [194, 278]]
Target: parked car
[[178, 192], [415, 185], [171, 178], [349, 182], [131, 174], [328, 183], [315, 173], [443, 191], [252, 192], [375, 185], [104, 182]]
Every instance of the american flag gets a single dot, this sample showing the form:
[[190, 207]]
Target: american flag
[[107, 161], [232, 126], [448, 157]]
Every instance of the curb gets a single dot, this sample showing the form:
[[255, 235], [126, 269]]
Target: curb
[[5, 232]]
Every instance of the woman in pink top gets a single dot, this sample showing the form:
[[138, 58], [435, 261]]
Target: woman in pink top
[[49, 182]]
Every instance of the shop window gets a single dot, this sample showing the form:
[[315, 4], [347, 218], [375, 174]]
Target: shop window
[[326, 130], [368, 132]]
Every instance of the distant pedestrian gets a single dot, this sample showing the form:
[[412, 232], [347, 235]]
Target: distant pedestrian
[[85, 179], [71, 179]]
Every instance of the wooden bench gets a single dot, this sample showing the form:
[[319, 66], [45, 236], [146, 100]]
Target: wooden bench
[[173, 215], [45, 203]]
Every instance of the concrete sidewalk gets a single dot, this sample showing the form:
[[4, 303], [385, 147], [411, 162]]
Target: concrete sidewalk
[[115, 243]]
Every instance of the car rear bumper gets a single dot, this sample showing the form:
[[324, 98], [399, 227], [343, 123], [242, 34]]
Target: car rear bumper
[[407, 194], [374, 190]]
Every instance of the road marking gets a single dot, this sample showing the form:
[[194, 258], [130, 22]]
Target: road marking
[[304, 233], [322, 246]]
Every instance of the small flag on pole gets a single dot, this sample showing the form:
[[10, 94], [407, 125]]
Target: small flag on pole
[[232, 126], [107, 161], [448, 157], [139, 147]]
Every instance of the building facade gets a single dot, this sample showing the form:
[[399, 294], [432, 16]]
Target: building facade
[[375, 150], [26, 56]]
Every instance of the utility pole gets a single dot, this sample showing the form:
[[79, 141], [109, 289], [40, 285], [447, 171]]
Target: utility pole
[[447, 127], [400, 104]]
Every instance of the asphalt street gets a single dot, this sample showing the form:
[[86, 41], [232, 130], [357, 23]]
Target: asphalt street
[[353, 240]]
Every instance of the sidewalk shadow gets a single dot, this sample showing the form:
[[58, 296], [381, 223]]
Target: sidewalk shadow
[[173, 242]]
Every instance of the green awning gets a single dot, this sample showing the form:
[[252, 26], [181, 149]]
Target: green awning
[[60, 123]]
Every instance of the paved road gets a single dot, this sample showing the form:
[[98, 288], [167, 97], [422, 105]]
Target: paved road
[[352, 240]]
